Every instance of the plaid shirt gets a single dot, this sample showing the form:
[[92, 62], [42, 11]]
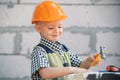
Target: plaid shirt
[[39, 59]]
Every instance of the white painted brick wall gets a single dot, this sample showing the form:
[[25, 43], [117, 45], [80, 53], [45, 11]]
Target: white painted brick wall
[[6, 42], [92, 16], [78, 43], [17, 16], [87, 27], [110, 40], [14, 66], [30, 40]]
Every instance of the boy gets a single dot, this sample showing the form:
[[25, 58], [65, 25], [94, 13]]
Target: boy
[[52, 60]]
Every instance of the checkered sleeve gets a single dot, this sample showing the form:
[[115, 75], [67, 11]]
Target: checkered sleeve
[[38, 60], [75, 60]]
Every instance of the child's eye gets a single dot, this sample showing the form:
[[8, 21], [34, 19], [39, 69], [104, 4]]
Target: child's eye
[[50, 27], [59, 26]]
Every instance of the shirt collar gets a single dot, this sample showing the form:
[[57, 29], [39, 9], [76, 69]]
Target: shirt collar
[[53, 45]]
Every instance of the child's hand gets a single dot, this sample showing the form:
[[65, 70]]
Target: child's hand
[[92, 60], [96, 59]]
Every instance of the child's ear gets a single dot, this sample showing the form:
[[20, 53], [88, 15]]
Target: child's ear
[[37, 28]]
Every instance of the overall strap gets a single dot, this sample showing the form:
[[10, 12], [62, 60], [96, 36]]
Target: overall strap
[[48, 50], [65, 48]]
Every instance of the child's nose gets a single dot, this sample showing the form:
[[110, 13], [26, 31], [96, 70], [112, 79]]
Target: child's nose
[[56, 30]]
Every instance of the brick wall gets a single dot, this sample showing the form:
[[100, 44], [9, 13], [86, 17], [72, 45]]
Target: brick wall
[[90, 24]]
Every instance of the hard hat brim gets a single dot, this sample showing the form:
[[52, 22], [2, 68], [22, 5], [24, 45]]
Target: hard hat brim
[[49, 19]]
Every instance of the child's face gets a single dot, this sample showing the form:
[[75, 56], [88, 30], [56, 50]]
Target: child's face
[[51, 30]]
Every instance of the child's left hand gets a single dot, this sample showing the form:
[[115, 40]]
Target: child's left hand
[[96, 59], [92, 60]]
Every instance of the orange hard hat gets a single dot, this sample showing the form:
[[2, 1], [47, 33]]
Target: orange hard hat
[[47, 11]]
